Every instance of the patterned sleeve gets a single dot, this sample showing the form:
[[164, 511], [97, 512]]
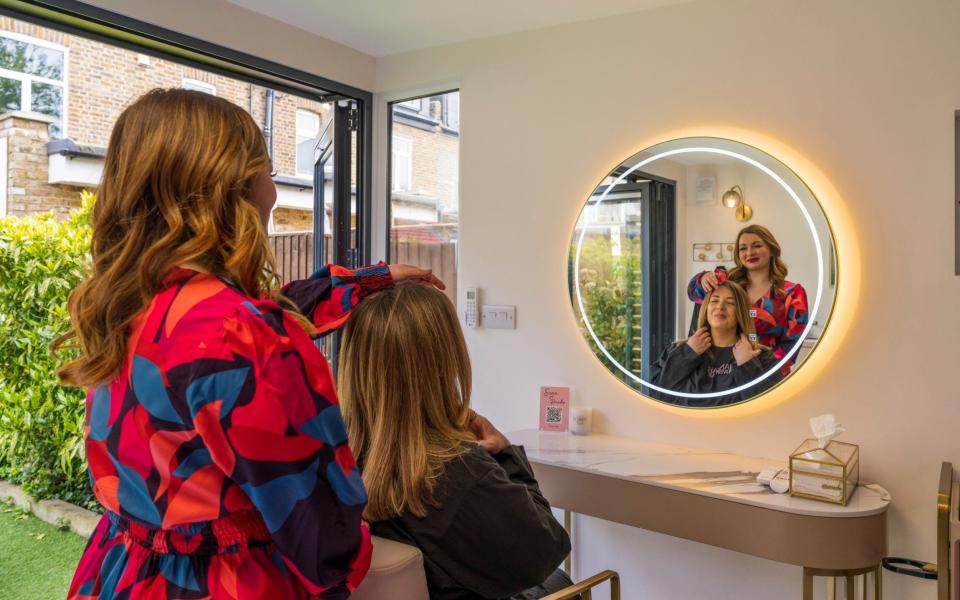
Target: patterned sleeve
[[795, 321], [270, 418], [328, 296], [695, 292]]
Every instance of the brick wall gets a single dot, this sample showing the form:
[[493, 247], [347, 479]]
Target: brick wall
[[435, 163], [27, 167], [103, 79], [291, 219]]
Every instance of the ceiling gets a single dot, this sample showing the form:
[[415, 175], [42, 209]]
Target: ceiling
[[384, 27]]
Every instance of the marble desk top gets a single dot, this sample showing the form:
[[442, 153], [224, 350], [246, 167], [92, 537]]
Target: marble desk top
[[705, 472]]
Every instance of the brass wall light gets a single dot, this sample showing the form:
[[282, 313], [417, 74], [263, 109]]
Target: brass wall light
[[733, 198]]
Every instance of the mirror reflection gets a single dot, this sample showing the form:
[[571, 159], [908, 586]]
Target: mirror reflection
[[702, 272]]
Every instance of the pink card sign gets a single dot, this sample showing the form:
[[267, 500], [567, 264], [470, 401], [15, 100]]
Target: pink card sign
[[554, 408]]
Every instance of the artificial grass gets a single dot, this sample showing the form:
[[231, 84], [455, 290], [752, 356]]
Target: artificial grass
[[37, 560]]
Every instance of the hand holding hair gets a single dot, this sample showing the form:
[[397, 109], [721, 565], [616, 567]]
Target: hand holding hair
[[709, 281], [744, 351], [700, 341], [412, 274], [490, 439]]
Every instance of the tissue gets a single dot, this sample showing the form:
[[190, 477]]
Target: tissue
[[825, 428]]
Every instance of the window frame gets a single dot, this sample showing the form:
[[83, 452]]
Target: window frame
[[296, 137], [198, 86], [26, 79], [393, 154]]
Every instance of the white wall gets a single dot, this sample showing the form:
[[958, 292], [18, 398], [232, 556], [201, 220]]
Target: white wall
[[858, 97]]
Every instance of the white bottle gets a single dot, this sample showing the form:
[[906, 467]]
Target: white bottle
[[581, 420]]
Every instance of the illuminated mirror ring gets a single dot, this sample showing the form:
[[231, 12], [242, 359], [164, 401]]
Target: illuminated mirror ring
[[820, 269]]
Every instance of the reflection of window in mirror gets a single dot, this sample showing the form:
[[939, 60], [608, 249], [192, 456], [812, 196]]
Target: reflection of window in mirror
[[619, 259]]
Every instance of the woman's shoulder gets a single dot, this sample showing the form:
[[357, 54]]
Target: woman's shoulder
[[794, 288], [470, 468], [207, 304]]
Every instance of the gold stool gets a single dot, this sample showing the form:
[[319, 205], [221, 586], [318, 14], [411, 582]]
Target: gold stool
[[584, 587]]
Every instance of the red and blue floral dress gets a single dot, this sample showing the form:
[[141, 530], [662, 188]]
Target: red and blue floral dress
[[778, 317], [219, 453]]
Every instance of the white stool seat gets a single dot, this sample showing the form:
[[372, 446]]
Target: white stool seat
[[396, 571]]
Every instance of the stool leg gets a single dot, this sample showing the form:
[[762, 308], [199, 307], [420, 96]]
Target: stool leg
[[831, 588], [878, 583], [567, 562], [850, 590], [807, 585]]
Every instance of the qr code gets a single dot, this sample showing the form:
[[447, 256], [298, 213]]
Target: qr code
[[554, 414]]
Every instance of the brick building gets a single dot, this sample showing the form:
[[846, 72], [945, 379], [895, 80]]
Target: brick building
[[61, 94]]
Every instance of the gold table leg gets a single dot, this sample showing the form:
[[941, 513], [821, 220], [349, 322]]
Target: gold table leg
[[850, 579], [568, 561]]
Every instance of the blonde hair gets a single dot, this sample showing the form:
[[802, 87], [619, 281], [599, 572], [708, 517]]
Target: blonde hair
[[741, 310], [778, 269], [404, 385], [176, 189]]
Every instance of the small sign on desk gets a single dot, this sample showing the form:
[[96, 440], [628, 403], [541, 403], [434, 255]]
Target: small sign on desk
[[554, 408]]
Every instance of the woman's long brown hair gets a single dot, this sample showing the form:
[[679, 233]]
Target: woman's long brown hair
[[778, 269], [404, 385], [176, 189]]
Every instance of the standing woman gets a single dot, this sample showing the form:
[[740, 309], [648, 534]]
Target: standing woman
[[213, 433], [778, 307]]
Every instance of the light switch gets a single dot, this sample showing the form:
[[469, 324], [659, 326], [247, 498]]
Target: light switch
[[498, 316]]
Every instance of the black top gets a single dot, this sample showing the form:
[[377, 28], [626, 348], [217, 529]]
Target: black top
[[492, 535], [683, 370]]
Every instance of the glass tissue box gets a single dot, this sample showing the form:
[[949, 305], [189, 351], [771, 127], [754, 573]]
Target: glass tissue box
[[830, 473]]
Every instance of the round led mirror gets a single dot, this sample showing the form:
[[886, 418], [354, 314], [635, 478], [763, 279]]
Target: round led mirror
[[702, 272]]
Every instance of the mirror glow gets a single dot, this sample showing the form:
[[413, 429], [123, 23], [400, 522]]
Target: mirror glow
[[655, 207]]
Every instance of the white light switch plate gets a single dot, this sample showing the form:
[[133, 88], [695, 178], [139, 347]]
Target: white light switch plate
[[498, 316]]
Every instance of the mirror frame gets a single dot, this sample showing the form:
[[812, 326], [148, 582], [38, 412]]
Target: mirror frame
[[709, 144]]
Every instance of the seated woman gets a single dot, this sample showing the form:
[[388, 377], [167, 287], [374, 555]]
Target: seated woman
[[720, 355], [439, 476], [778, 307]]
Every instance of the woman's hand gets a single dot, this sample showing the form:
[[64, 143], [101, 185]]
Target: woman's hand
[[743, 350], [411, 274], [709, 281], [489, 438], [700, 341]]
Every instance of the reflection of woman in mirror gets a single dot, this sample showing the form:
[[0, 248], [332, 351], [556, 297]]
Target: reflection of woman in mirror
[[778, 307], [719, 355]]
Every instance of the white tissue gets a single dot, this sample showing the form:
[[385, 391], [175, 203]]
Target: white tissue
[[825, 428]]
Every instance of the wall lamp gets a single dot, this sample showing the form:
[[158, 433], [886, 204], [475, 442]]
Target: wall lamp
[[733, 198]]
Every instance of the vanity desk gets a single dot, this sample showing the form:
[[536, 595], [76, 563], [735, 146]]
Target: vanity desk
[[712, 498]]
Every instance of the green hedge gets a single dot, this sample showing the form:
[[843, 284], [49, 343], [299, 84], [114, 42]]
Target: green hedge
[[41, 422]]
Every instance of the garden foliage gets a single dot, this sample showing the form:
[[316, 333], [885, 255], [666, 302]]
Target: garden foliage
[[41, 422]]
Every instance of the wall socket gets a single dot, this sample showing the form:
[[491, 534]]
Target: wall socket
[[498, 316]]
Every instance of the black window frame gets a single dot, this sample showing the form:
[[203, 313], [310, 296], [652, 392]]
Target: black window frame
[[78, 18]]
